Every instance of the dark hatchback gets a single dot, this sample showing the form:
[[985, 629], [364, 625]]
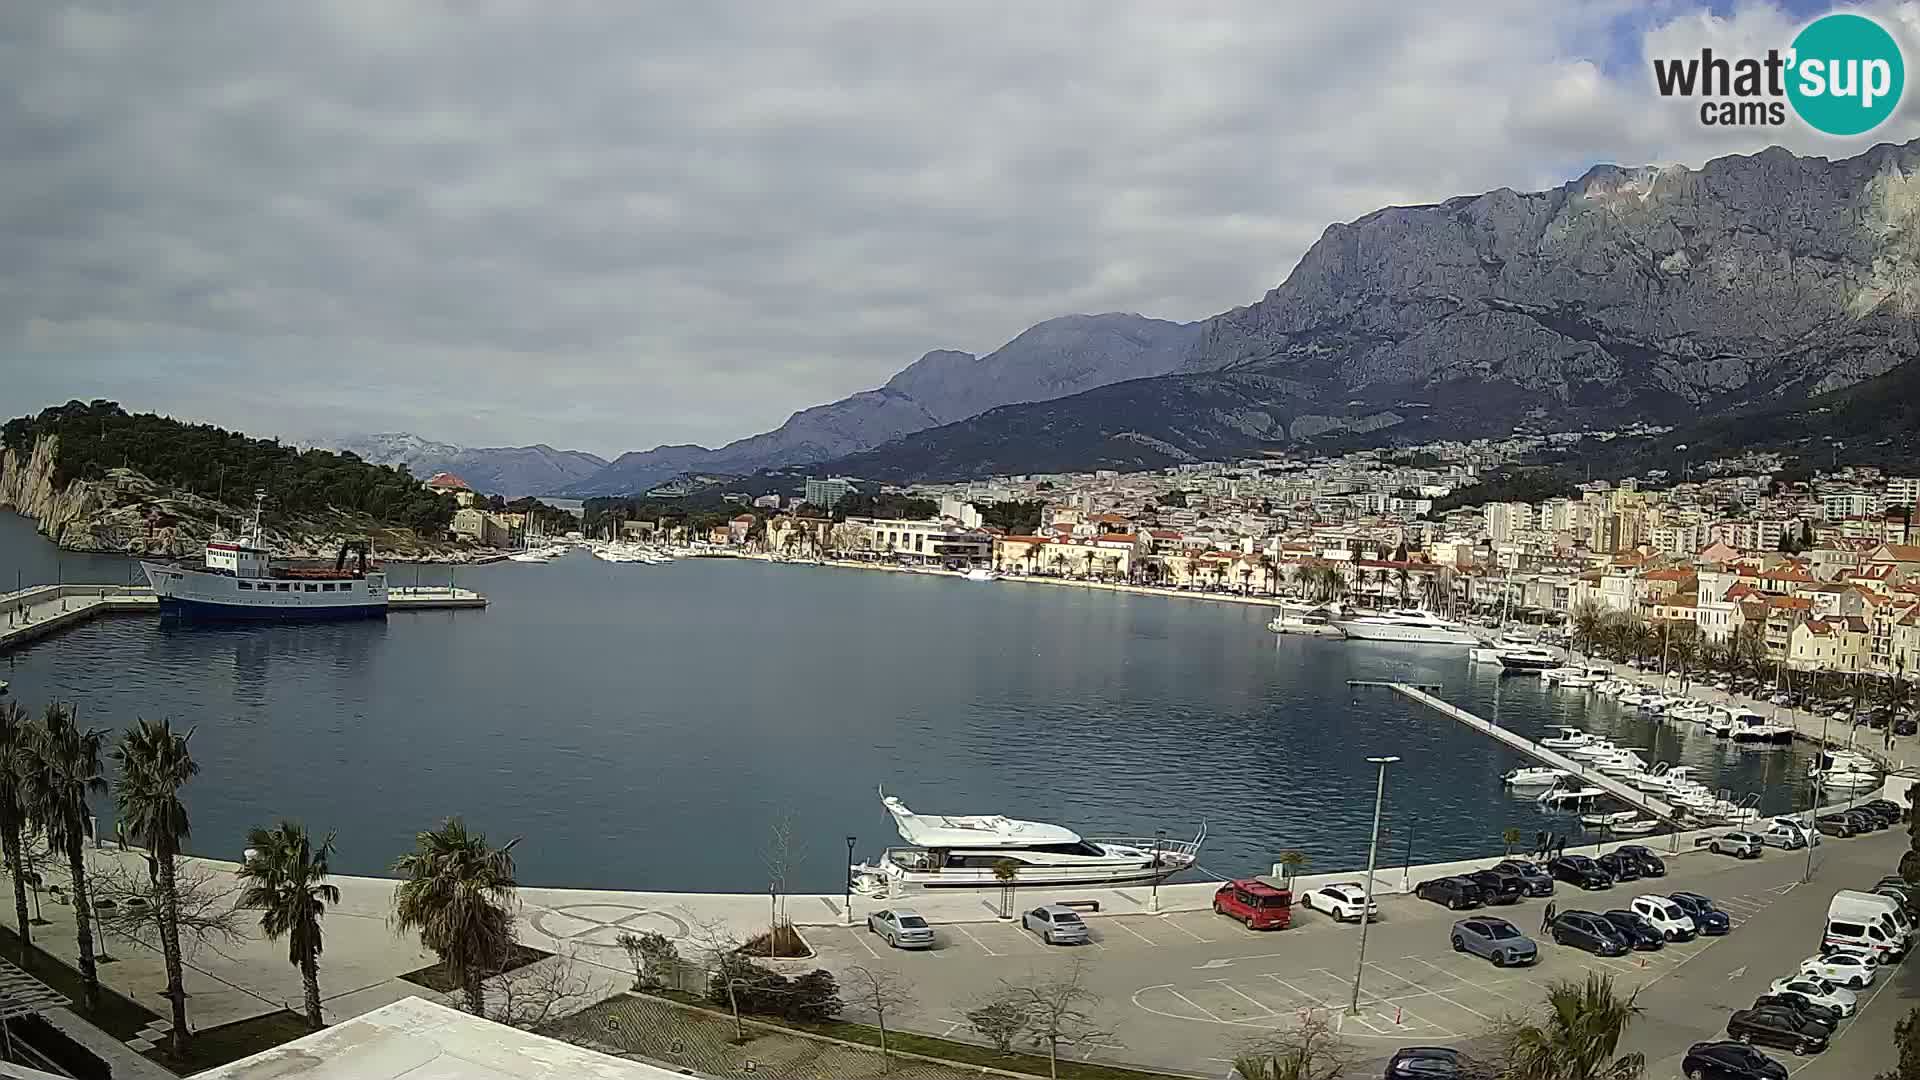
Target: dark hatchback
[[1835, 825], [1434, 1063], [1781, 1027], [1642, 856], [1457, 893], [1588, 931], [1709, 920], [1819, 1014], [1639, 932], [1729, 1061], [1497, 887], [1580, 870], [1537, 881], [1619, 867]]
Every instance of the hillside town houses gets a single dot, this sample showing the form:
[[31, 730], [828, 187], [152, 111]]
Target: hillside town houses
[[1825, 571]]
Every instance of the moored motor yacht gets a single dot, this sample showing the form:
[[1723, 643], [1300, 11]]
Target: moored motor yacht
[[961, 851], [1406, 626], [1569, 738], [1534, 777]]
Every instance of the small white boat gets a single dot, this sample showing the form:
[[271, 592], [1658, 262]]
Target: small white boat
[[1309, 619], [1634, 826], [1603, 821], [1593, 750], [1534, 777], [1570, 738], [1552, 676], [528, 556], [981, 573], [1570, 796], [1847, 780]]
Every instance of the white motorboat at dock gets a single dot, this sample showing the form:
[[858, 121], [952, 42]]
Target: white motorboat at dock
[[1311, 619], [1406, 626]]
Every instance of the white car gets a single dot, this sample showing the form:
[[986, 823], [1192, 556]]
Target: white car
[[1820, 992], [1344, 900], [1845, 969], [1666, 917]]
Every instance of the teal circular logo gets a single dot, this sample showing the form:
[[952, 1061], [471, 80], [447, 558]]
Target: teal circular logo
[[1847, 74]]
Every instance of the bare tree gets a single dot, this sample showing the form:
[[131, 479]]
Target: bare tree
[[879, 992], [784, 855], [126, 902], [1058, 1012], [1312, 1051], [999, 1020], [717, 945], [530, 996]]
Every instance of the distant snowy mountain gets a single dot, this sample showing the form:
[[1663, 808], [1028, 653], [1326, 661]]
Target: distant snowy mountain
[[511, 471]]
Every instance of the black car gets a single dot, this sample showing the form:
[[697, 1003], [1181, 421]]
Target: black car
[[1887, 808], [1906, 725], [1434, 1063], [1787, 999], [1537, 881], [1729, 1061], [1580, 870], [1457, 893], [1619, 867], [1650, 865], [1835, 825], [1498, 887], [1639, 932], [1864, 821], [1709, 920], [1775, 1026], [1588, 931]]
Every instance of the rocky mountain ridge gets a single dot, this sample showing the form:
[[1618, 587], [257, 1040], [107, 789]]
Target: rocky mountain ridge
[[511, 471]]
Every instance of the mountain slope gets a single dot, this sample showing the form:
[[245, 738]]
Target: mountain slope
[[511, 471], [1645, 294], [1052, 359]]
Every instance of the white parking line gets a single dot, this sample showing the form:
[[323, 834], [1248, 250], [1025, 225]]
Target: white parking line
[[1235, 991], [1209, 1015], [1189, 933], [1317, 1000], [862, 939], [975, 940], [1122, 925]]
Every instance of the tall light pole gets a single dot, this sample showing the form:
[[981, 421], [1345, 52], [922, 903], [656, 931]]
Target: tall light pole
[[848, 899], [1373, 852], [1159, 838], [1819, 792]]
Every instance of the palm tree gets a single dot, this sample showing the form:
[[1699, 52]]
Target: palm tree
[[1510, 838], [1587, 624], [15, 722], [1402, 577], [287, 881], [457, 892], [1293, 860], [58, 771], [1577, 1038], [154, 766]]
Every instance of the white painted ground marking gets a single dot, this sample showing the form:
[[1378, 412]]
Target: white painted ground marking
[[1231, 960], [1736, 972], [1189, 933], [1316, 999], [862, 939], [1122, 925], [1235, 991], [1209, 1015], [976, 941]]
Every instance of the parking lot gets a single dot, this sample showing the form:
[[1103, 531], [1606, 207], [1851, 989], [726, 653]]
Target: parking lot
[[1185, 991]]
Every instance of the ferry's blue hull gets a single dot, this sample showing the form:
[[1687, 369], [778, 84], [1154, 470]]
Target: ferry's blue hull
[[204, 611]]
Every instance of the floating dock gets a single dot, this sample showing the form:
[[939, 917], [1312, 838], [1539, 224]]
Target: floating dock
[[31, 614]]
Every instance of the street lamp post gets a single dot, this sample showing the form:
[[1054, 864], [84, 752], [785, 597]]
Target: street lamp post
[[1373, 852], [1159, 838], [1813, 832], [848, 899]]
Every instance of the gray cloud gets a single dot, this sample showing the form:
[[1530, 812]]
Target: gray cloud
[[613, 225]]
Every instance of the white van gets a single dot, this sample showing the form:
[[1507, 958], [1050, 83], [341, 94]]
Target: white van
[[1868, 922]]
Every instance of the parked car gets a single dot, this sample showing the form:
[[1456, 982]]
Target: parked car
[[1640, 933], [1580, 870], [1498, 888], [1665, 916], [1835, 825], [1729, 1061], [1496, 939], [1057, 925], [1255, 903], [1888, 808], [1537, 881], [1819, 992], [1740, 845], [1784, 837], [1906, 725], [1819, 1014], [903, 929], [1619, 867], [1650, 865], [1775, 1026], [1863, 821], [1847, 969], [1457, 893], [1344, 900], [1709, 920], [1588, 931], [1434, 1063]]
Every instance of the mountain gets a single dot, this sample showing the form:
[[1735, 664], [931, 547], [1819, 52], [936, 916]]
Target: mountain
[[511, 471], [1659, 294], [1052, 359]]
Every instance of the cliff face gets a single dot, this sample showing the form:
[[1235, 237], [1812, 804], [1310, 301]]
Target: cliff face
[[126, 512]]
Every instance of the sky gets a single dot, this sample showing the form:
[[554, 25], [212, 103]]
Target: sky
[[612, 225]]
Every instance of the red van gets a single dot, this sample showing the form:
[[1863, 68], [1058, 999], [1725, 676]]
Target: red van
[[1256, 903]]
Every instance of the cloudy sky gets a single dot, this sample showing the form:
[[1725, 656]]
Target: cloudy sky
[[611, 225]]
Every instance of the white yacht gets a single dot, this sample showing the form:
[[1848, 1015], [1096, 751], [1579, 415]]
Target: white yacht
[[1534, 777], [980, 573], [1406, 626], [1310, 619], [952, 851]]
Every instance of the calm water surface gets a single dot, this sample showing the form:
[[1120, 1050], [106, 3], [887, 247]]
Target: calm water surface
[[643, 726]]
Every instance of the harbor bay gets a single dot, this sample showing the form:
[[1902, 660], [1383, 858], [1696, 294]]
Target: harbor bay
[[644, 727]]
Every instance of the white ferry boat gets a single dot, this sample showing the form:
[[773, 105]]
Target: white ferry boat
[[239, 582], [960, 852], [1407, 626]]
